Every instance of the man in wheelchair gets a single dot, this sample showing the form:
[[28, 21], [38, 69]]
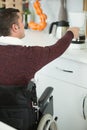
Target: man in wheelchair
[[19, 106]]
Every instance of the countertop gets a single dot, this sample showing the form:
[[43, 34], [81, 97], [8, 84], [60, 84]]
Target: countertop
[[37, 38]]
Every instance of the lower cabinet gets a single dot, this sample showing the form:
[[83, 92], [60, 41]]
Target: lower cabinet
[[70, 101]]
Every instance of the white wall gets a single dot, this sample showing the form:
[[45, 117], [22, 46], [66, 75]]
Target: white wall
[[51, 8], [75, 5]]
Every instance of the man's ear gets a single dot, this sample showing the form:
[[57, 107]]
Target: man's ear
[[15, 27]]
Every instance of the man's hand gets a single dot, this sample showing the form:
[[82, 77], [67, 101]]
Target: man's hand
[[75, 31]]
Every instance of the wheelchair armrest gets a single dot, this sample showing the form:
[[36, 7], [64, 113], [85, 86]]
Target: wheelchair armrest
[[45, 95]]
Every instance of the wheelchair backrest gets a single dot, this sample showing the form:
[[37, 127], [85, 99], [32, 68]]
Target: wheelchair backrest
[[16, 107]]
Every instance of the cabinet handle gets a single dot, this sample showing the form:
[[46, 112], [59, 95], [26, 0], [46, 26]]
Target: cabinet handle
[[64, 70], [83, 106]]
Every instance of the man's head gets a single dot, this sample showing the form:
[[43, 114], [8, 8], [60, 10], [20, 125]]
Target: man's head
[[11, 23]]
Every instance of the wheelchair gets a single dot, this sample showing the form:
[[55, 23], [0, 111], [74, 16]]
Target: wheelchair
[[39, 114]]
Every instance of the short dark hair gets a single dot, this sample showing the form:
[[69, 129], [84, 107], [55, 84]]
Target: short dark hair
[[8, 17]]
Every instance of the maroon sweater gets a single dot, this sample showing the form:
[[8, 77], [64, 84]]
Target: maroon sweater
[[18, 64]]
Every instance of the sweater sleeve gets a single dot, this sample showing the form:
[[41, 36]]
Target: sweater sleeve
[[43, 55]]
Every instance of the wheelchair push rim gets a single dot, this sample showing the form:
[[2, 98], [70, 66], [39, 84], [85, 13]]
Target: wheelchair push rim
[[47, 123]]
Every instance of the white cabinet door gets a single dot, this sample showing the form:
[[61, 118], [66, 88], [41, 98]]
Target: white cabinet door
[[68, 102], [67, 70]]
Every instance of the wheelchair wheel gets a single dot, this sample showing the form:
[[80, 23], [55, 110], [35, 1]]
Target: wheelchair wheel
[[47, 123]]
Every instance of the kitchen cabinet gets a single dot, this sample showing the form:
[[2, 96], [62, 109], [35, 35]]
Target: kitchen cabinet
[[68, 78]]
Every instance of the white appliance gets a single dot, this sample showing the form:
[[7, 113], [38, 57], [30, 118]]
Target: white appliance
[[4, 126]]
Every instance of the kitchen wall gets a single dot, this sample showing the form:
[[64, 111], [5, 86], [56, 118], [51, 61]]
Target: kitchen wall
[[51, 8]]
